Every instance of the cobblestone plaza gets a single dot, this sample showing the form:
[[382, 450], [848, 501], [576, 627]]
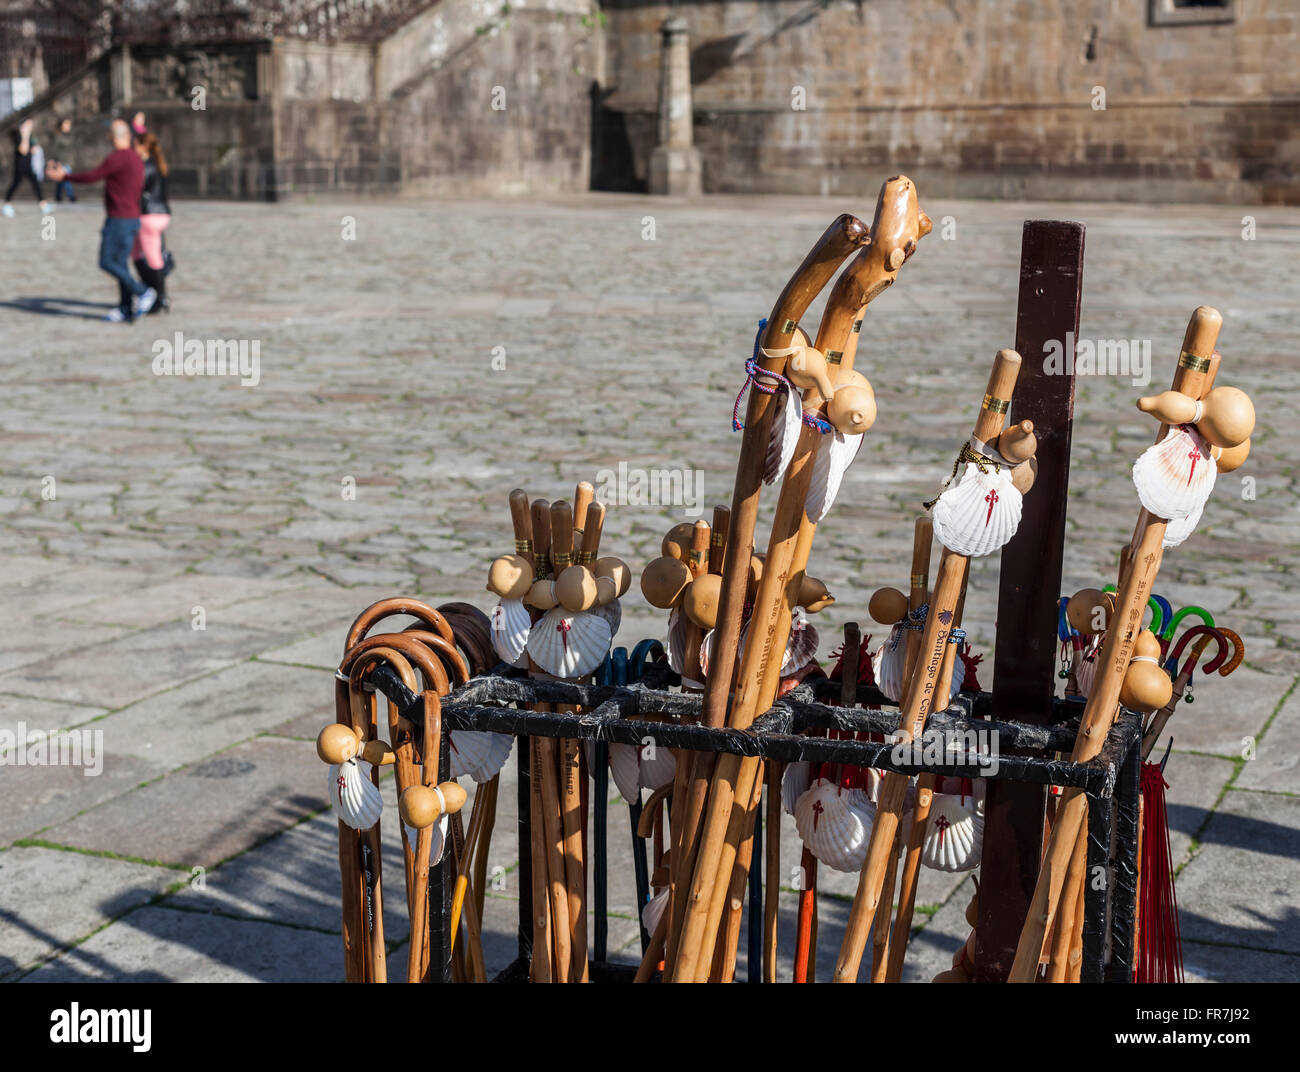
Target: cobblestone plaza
[[182, 555]]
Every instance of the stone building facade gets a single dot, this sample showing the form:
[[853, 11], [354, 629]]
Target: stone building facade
[[1158, 100]]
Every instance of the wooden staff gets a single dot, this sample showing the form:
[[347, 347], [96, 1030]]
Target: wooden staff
[[882, 957], [895, 232], [1137, 580], [772, 896], [846, 234], [921, 694], [1068, 923]]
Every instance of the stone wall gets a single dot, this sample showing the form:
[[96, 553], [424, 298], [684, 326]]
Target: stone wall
[[973, 98]]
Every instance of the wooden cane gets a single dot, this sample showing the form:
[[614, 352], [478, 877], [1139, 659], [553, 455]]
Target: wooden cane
[[844, 235], [1067, 923], [895, 232], [772, 895], [918, 592], [921, 693], [1137, 581], [902, 932]]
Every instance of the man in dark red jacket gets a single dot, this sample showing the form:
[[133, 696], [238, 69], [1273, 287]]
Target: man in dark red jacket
[[122, 173]]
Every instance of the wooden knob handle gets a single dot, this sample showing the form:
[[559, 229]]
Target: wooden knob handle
[[561, 536], [677, 544], [808, 371], [1202, 332], [540, 513], [718, 539], [698, 558], [520, 518], [420, 807], [1018, 443], [591, 533], [997, 395], [583, 495], [888, 606], [337, 743], [510, 576]]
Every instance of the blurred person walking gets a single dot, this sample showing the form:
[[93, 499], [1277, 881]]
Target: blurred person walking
[[61, 146], [155, 215], [122, 173], [27, 154]]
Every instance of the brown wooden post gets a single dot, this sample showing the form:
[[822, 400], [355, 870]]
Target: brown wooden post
[[1024, 667]]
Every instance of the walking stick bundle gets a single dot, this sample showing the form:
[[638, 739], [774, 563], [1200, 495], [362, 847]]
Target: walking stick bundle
[[1128, 669], [975, 515]]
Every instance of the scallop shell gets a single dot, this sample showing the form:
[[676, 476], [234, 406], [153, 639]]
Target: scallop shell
[[801, 647], [979, 513], [612, 612], [356, 799], [568, 645], [785, 434], [678, 623], [439, 843], [794, 783], [1176, 476], [653, 911], [954, 836], [1180, 528], [626, 770], [835, 824], [479, 754], [706, 652], [658, 772], [835, 453], [887, 662], [1084, 675], [511, 624]]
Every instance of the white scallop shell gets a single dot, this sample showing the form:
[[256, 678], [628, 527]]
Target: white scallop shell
[[801, 646], [706, 652], [887, 662], [511, 623], [786, 424], [633, 768], [626, 770], [835, 824], [612, 612], [568, 645], [1084, 675], [1175, 477], [653, 911], [439, 843], [795, 780], [678, 623], [835, 453], [356, 799], [1181, 527], [479, 754], [954, 835], [979, 513]]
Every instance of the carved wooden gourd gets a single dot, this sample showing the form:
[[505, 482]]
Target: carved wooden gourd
[[510, 576], [888, 606], [664, 580], [1225, 417]]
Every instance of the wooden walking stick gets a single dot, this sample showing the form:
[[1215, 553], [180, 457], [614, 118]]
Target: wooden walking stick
[[955, 523], [898, 226], [772, 896], [1143, 563], [844, 235]]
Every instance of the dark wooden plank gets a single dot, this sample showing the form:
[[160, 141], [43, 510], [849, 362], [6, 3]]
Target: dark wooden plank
[[1051, 281]]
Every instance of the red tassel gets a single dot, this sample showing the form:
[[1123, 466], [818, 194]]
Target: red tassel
[[1159, 955]]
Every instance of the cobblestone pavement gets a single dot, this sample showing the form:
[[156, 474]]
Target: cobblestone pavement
[[136, 506]]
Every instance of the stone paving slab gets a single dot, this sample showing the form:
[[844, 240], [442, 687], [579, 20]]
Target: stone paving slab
[[214, 712], [200, 815], [1195, 785], [1239, 889], [1223, 964], [37, 798], [47, 715], [161, 945], [137, 665], [175, 600], [50, 899], [1276, 764]]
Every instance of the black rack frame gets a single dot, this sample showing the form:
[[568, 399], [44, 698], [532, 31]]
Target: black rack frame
[[628, 714]]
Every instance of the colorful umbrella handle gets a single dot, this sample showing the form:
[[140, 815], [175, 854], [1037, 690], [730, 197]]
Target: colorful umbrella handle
[[1238, 653], [1167, 632], [1198, 649], [1160, 609]]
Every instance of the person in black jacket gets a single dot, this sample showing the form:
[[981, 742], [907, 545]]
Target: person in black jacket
[[155, 214]]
